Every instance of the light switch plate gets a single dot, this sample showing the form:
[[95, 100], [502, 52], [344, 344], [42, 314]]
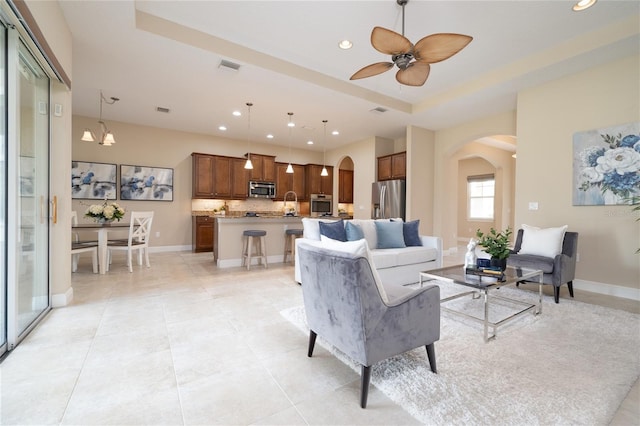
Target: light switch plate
[[533, 205]]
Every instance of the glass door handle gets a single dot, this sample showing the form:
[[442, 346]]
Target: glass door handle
[[54, 209]]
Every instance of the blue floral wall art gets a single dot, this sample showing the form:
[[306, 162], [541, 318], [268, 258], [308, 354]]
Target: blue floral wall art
[[606, 165], [93, 181], [146, 183]]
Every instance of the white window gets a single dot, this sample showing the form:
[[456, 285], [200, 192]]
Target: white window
[[480, 193]]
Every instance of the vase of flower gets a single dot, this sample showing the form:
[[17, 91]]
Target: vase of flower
[[105, 213]]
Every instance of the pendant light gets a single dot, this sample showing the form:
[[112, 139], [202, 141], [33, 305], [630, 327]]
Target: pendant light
[[106, 137], [291, 125], [248, 165], [324, 171]]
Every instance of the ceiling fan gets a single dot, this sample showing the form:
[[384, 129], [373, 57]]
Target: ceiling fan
[[412, 60]]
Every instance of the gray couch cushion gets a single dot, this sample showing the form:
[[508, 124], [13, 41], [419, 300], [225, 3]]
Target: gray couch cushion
[[531, 261]]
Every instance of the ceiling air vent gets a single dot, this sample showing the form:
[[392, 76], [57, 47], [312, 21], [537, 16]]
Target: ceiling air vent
[[378, 110], [163, 109], [228, 65]]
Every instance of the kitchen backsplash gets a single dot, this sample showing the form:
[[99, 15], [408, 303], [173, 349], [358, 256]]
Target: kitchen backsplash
[[251, 204]]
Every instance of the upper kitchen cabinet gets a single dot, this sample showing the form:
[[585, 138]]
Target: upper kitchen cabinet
[[345, 187], [239, 179], [316, 184], [211, 176], [392, 166], [290, 181], [264, 168]]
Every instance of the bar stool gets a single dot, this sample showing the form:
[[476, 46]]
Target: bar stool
[[261, 248], [290, 236]]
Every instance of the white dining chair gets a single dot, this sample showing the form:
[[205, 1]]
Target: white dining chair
[[78, 247], [139, 233]]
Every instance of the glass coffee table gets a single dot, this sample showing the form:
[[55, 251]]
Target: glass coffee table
[[480, 286]]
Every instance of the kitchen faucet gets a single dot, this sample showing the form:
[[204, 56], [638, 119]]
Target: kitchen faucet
[[295, 205]]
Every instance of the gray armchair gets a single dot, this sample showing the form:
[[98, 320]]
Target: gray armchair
[[558, 270], [344, 306]]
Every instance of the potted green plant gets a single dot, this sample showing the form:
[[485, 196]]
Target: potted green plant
[[496, 244]]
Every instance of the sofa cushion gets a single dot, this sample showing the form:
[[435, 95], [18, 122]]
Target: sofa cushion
[[334, 230], [354, 232], [390, 235], [542, 242], [531, 261], [390, 258]]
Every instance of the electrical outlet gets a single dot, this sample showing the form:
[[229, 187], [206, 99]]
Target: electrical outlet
[[158, 234]]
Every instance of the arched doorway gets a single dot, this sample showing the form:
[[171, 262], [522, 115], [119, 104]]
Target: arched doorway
[[345, 187]]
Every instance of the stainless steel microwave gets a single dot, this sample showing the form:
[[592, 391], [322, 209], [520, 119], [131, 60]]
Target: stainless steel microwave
[[262, 189], [321, 205]]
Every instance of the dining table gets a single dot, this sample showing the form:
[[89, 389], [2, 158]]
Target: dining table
[[103, 238]]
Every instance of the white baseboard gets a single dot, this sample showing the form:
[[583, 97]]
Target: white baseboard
[[608, 289], [60, 300], [159, 249]]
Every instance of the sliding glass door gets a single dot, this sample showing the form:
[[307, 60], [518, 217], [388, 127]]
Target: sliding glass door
[[3, 190], [28, 295]]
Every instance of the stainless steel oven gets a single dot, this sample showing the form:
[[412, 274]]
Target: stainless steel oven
[[262, 189], [321, 205]]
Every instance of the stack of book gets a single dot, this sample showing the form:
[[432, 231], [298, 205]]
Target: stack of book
[[486, 272]]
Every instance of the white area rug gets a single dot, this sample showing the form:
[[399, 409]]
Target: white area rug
[[574, 364]]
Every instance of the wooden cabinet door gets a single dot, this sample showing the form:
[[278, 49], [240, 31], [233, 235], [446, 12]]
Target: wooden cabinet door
[[346, 186], [258, 167], [222, 177], [203, 229], [399, 165], [326, 182], [202, 182], [298, 183], [283, 180], [268, 168], [384, 168], [239, 179]]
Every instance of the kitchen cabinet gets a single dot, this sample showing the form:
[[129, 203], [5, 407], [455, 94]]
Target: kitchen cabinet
[[211, 176], [239, 179], [290, 182], [345, 187], [316, 184], [264, 168], [202, 233], [392, 166]]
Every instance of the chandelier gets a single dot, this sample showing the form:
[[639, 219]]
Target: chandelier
[[106, 137]]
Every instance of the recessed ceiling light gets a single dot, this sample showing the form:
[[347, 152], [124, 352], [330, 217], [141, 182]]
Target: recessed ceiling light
[[269, 136], [309, 142], [583, 4], [335, 133], [223, 128], [237, 113], [345, 44]]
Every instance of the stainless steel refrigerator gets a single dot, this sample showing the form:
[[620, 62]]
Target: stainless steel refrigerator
[[388, 199]]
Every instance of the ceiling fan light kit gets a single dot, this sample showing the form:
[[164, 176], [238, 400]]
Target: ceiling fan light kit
[[412, 60]]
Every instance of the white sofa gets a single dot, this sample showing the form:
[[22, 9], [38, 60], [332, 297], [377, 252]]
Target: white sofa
[[399, 266]]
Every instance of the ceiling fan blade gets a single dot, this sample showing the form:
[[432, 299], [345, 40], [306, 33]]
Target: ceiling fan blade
[[414, 75], [371, 70], [438, 47], [389, 42]]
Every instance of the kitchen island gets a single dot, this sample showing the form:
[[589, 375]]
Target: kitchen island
[[227, 243]]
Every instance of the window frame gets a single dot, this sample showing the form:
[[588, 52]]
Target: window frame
[[477, 179]]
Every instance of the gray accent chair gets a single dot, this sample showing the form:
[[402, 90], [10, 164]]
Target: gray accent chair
[[558, 270], [345, 307]]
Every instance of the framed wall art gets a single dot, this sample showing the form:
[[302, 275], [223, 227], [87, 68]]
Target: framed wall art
[[606, 165], [93, 181], [146, 183]]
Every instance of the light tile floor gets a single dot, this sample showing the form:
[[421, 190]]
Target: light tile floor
[[186, 343]]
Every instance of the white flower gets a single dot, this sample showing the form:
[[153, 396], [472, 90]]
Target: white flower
[[96, 209], [591, 175], [108, 212], [620, 160]]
